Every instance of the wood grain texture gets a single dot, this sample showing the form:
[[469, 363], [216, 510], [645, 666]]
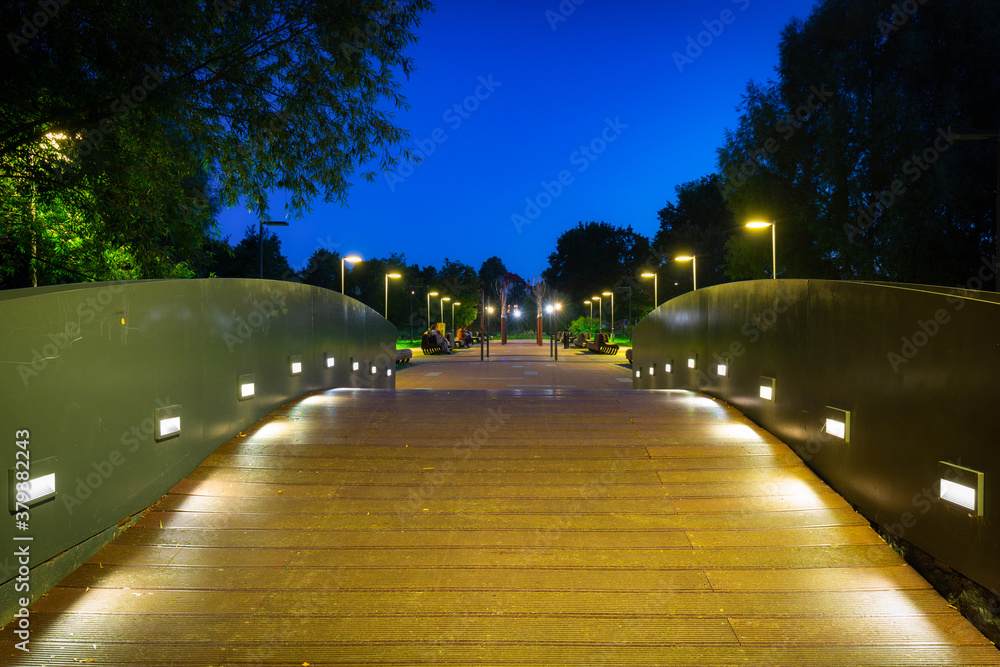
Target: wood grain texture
[[488, 526]]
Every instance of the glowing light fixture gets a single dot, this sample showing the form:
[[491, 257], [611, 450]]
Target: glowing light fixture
[[328, 359], [838, 423], [244, 386], [694, 268], [373, 369], [295, 364], [388, 372], [962, 486], [693, 361], [355, 364], [722, 367], [33, 491], [767, 388], [638, 372], [167, 422], [652, 370], [668, 367]]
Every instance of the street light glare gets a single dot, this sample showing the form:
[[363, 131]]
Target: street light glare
[[758, 225], [683, 258], [432, 293], [648, 275], [393, 275], [352, 258]]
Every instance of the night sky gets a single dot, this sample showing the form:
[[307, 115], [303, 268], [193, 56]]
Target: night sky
[[592, 112]]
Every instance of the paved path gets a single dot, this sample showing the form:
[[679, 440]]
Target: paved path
[[500, 526]]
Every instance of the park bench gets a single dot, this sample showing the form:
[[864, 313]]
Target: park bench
[[581, 340], [601, 345], [403, 356], [429, 346], [628, 355]]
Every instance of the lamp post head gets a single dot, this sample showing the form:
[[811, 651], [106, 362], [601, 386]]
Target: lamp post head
[[446, 298], [606, 294], [759, 224], [351, 258], [274, 223], [648, 275], [457, 303], [684, 258], [432, 294], [393, 275], [587, 303]]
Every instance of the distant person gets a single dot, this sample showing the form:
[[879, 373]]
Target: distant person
[[442, 341], [468, 338]]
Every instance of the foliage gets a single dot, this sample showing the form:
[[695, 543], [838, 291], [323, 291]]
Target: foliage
[[585, 325], [853, 152], [243, 261], [698, 224], [322, 270], [129, 113]]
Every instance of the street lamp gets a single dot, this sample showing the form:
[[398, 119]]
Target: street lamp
[[612, 295], [774, 252], [260, 232], [591, 304], [443, 299], [992, 137], [353, 259], [387, 276], [600, 313], [553, 344], [656, 301], [429, 295], [454, 303], [694, 268]]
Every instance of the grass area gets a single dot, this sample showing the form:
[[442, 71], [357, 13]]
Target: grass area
[[404, 344]]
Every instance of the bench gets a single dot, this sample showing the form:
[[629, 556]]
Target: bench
[[429, 346], [403, 356], [601, 345], [628, 355], [581, 340]]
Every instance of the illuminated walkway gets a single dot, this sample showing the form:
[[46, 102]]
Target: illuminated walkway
[[541, 525]]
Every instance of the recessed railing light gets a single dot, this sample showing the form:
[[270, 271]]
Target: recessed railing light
[[767, 388], [245, 387], [295, 364], [838, 423], [962, 486], [166, 422]]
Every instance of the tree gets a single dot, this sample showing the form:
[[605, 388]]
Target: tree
[[698, 224], [130, 112], [244, 261], [852, 149], [593, 257], [490, 270], [322, 270]]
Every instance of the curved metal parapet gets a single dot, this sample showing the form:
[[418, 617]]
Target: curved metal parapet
[[888, 391], [114, 392]]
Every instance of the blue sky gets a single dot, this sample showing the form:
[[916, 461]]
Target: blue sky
[[535, 115]]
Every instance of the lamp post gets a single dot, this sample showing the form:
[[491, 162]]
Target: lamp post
[[656, 300], [387, 276], [443, 299], [600, 313], [553, 344], [591, 304], [429, 295], [694, 268], [612, 295], [353, 259], [260, 232], [489, 315], [774, 252], [991, 137], [453, 304]]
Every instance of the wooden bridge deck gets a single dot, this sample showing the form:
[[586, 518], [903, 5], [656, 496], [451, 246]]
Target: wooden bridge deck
[[500, 527]]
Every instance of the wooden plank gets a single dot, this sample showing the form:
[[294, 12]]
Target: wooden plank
[[611, 527]]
